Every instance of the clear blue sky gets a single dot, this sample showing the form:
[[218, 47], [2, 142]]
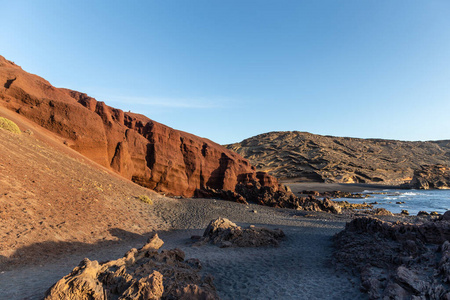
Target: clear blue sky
[[228, 70]]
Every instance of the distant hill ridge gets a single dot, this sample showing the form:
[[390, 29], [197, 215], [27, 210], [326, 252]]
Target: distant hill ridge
[[311, 157]]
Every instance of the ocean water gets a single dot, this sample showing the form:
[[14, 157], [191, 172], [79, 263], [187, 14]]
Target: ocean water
[[414, 200]]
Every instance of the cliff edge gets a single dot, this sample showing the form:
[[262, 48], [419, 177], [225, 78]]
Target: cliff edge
[[138, 148]]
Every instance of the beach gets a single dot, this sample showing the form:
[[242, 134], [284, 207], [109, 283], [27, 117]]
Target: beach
[[299, 268]]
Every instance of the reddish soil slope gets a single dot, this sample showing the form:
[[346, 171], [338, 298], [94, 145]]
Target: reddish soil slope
[[52, 198], [151, 154]]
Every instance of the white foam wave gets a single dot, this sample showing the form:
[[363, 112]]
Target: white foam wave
[[411, 194]]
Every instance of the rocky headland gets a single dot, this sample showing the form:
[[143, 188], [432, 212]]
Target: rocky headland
[[303, 156], [431, 177]]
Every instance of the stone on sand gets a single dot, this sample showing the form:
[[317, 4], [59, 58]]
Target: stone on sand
[[224, 233], [140, 274]]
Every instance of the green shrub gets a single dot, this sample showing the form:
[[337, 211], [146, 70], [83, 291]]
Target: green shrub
[[9, 125], [145, 199]]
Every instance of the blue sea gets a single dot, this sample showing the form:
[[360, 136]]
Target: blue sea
[[414, 200]]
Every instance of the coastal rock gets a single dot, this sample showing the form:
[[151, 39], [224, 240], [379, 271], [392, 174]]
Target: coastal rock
[[149, 153], [309, 157], [409, 280], [274, 194], [422, 214], [140, 274], [220, 194], [431, 177], [380, 212], [330, 206], [224, 233], [446, 216], [396, 260]]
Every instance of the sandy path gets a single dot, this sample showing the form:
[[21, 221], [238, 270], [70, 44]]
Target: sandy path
[[298, 269]]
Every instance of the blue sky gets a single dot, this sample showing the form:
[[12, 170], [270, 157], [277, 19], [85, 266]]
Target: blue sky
[[228, 70]]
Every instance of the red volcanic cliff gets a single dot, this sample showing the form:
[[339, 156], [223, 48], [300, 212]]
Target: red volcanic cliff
[[147, 152]]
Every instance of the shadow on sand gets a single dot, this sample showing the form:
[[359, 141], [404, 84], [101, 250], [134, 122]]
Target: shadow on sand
[[47, 251]]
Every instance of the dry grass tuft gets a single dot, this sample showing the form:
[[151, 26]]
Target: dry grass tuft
[[145, 199], [9, 125]]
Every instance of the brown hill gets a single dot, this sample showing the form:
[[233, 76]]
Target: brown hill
[[52, 198], [311, 157], [149, 153]]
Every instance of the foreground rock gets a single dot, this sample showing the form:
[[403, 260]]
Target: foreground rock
[[397, 260], [431, 177], [149, 153], [311, 157], [224, 233], [140, 274]]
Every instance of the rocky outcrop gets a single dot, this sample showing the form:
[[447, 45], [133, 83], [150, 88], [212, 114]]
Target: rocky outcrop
[[431, 177], [140, 274], [308, 157], [149, 153], [273, 194], [224, 233], [397, 260]]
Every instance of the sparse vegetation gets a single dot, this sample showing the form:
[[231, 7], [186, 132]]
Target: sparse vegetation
[[146, 199], [9, 125]]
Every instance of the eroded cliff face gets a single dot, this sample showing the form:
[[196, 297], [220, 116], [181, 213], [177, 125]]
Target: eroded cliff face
[[147, 152], [431, 177], [310, 157]]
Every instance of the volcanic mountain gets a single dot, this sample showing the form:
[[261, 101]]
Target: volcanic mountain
[[310, 157], [142, 150]]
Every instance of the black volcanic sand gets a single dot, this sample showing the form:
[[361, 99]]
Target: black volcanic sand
[[320, 187], [299, 268]]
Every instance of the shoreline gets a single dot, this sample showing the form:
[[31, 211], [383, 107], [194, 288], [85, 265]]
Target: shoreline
[[321, 187]]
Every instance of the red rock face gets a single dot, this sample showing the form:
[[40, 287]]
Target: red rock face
[[149, 153]]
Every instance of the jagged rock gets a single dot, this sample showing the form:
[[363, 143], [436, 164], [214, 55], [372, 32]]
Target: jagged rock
[[330, 206], [314, 193], [220, 194], [446, 216], [140, 274], [397, 260], [274, 194], [431, 177], [395, 291], [348, 205], [340, 194], [381, 212], [409, 280], [224, 233], [444, 263], [149, 153], [428, 232]]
